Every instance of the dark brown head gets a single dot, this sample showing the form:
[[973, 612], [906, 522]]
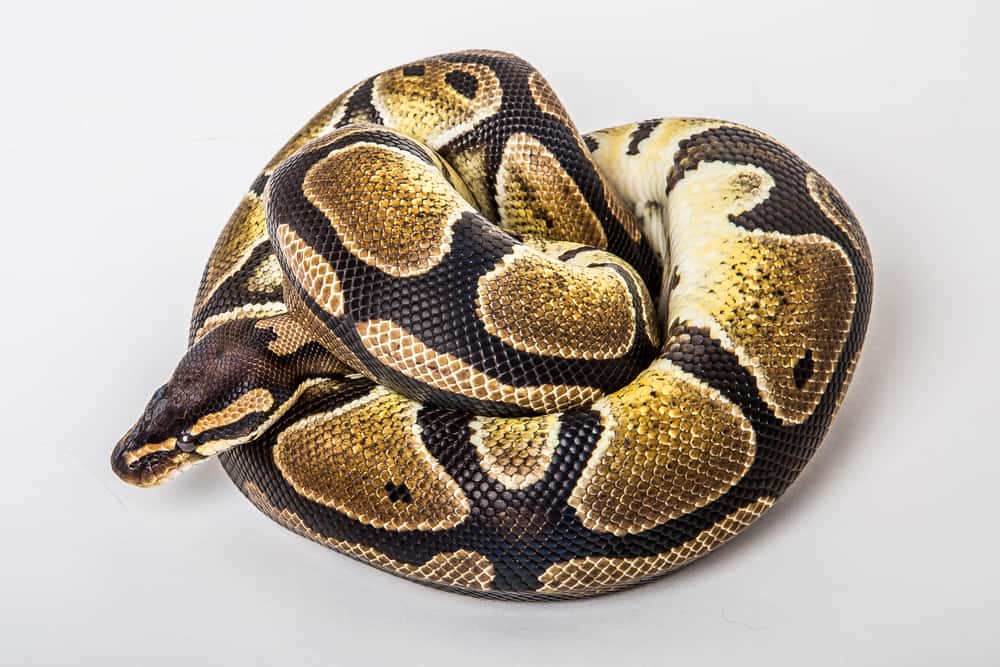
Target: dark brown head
[[228, 388]]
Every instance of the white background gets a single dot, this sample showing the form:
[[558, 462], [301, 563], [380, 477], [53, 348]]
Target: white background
[[129, 132]]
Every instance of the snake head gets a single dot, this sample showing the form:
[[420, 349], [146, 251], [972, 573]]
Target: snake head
[[226, 391]]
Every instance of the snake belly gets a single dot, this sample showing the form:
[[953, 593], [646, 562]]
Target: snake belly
[[690, 411]]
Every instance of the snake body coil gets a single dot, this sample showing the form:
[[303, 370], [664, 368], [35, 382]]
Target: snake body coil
[[449, 336]]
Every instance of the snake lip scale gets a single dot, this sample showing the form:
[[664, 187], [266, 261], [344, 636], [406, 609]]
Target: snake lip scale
[[449, 336]]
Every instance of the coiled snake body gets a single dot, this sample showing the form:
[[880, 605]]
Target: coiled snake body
[[449, 336]]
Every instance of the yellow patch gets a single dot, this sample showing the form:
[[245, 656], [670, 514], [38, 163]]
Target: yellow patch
[[670, 445], [267, 277], [427, 107], [540, 305], [366, 460], [536, 197], [390, 209]]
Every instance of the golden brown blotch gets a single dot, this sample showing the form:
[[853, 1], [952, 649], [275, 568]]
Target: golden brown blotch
[[587, 576], [352, 457], [429, 107], [590, 256], [396, 348], [291, 335], [540, 305], [786, 303], [536, 197], [515, 451], [670, 445], [389, 208]]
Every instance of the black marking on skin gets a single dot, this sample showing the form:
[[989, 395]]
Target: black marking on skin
[[398, 492], [413, 70], [465, 83], [803, 370], [591, 143], [257, 187], [642, 131], [359, 107], [570, 254]]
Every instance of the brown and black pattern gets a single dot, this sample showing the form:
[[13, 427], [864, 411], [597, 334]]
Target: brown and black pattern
[[365, 251]]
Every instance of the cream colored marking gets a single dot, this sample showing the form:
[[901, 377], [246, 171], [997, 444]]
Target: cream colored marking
[[586, 576], [396, 348], [331, 459], [670, 444], [314, 274], [642, 178], [267, 277], [255, 400], [134, 455], [389, 208], [767, 297], [515, 451], [540, 305], [463, 568], [246, 311]]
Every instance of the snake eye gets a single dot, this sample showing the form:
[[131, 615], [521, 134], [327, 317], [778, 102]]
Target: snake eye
[[187, 442]]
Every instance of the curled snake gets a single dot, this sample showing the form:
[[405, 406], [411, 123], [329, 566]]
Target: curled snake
[[449, 336]]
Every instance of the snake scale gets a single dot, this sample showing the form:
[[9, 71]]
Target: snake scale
[[449, 336]]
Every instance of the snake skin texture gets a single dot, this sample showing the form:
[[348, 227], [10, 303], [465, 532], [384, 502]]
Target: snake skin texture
[[447, 335]]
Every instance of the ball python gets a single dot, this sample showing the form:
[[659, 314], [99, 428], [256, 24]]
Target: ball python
[[446, 334]]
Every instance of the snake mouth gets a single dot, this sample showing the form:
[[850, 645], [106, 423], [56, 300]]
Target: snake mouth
[[144, 464]]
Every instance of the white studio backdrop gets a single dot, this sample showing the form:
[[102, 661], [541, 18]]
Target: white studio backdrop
[[130, 131]]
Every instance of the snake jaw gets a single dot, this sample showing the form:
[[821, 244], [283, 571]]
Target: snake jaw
[[143, 464]]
